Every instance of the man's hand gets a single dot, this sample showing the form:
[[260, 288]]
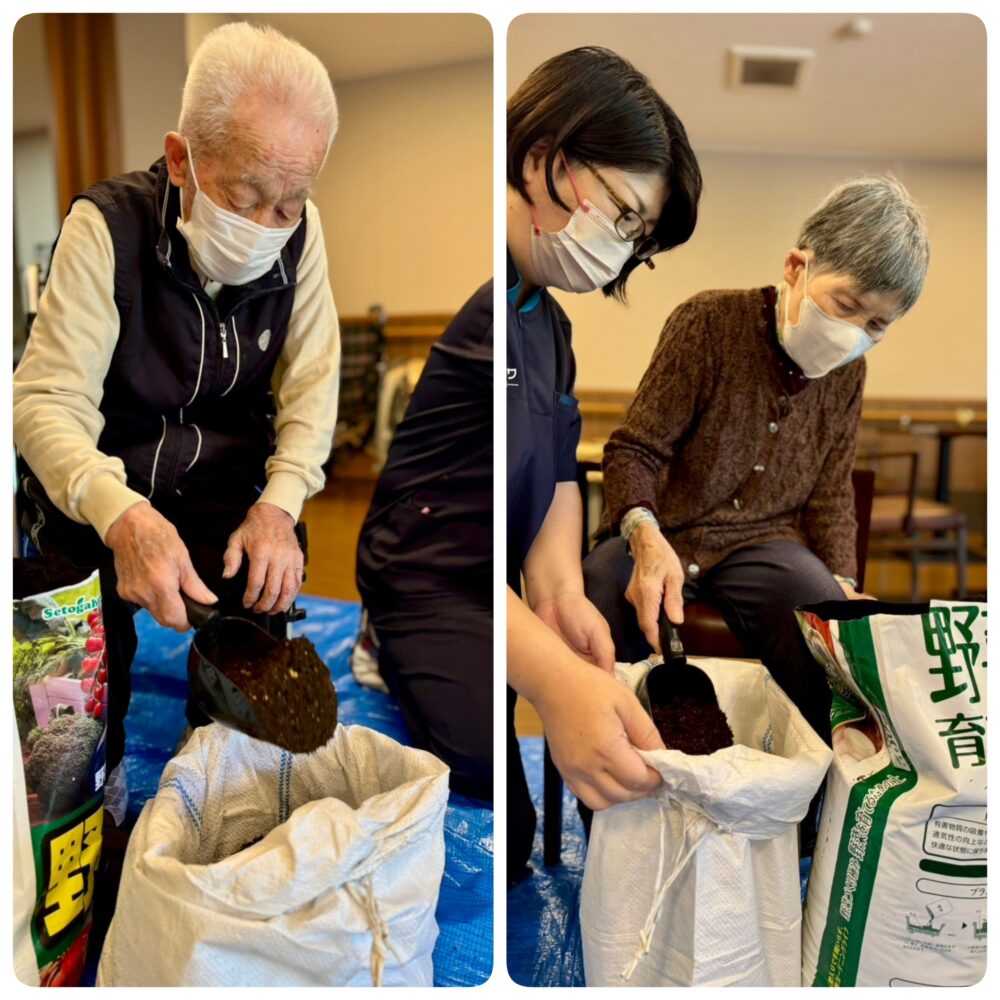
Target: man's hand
[[153, 565], [656, 577], [593, 728], [267, 537], [854, 595], [581, 626]]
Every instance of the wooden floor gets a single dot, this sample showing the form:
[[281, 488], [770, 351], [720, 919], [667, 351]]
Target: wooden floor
[[333, 521]]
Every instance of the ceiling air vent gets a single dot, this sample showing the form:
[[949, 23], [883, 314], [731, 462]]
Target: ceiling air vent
[[762, 65]]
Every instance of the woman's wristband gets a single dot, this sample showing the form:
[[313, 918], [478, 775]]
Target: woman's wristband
[[632, 519]]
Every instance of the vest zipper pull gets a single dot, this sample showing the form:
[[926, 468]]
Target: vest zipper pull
[[222, 333]]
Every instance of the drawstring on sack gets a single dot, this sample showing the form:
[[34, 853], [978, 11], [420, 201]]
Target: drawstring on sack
[[691, 820], [379, 928]]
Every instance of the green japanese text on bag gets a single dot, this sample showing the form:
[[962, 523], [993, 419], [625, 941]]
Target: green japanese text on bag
[[897, 894], [60, 700]]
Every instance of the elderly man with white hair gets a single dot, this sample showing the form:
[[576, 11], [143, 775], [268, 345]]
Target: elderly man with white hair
[[178, 394]]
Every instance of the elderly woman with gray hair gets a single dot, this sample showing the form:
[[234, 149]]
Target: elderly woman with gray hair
[[730, 479]]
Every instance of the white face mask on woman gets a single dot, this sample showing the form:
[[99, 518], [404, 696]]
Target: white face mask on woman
[[584, 255], [819, 343], [224, 246]]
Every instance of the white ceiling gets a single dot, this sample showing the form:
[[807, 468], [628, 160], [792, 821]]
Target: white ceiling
[[914, 87]]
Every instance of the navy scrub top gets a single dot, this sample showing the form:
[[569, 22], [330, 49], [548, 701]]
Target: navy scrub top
[[543, 418], [429, 531]]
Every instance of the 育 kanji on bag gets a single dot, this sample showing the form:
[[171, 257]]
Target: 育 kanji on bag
[[897, 893]]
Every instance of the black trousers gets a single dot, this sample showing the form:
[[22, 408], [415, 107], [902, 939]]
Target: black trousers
[[437, 659], [756, 589], [211, 508]]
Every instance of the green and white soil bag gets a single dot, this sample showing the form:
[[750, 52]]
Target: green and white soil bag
[[897, 894], [698, 884], [341, 890]]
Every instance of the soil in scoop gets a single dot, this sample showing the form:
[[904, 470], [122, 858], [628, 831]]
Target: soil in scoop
[[692, 727], [289, 688]]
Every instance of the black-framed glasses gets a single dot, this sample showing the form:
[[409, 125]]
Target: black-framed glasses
[[629, 225]]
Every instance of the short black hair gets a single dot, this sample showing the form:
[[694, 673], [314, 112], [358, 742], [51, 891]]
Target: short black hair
[[597, 107]]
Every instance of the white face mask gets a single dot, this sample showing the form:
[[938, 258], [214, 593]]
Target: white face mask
[[224, 246], [583, 256], [818, 343]]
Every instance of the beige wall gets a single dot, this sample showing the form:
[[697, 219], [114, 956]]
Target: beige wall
[[751, 212], [406, 194], [151, 68]]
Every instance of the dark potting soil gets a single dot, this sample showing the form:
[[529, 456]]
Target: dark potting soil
[[45, 573], [692, 727], [289, 688]]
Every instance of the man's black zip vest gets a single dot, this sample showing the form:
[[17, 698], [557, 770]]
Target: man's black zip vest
[[187, 389]]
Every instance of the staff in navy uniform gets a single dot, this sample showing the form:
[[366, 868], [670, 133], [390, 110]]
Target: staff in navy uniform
[[425, 553], [600, 178], [179, 297]]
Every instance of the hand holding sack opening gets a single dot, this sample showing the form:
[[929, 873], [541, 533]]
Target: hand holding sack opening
[[698, 883]]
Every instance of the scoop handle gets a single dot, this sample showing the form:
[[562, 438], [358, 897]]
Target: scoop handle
[[198, 615], [670, 639]]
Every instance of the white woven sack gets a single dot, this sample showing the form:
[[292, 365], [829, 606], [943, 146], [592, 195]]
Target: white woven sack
[[340, 892], [698, 884]]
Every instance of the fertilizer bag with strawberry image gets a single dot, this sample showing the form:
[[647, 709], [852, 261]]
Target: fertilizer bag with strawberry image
[[60, 705]]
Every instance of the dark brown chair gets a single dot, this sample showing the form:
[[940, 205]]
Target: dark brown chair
[[909, 526]]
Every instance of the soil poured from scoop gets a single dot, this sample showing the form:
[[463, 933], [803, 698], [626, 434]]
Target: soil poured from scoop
[[692, 727], [289, 688]]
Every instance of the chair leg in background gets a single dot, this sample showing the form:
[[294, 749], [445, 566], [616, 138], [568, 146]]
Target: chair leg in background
[[962, 561], [915, 576]]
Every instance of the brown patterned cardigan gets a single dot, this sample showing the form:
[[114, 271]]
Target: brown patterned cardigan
[[730, 445]]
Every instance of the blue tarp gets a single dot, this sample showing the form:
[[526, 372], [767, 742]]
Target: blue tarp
[[543, 912], [464, 952]]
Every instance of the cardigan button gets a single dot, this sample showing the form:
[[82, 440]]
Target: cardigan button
[[737, 503], [758, 468], [773, 427], [693, 569]]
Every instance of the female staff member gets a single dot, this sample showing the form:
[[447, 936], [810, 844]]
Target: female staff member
[[600, 178]]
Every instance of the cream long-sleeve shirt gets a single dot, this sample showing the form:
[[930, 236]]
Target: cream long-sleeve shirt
[[58, 386]]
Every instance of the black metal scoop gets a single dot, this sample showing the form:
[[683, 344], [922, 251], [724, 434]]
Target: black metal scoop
[[674, 679], [217, 640]]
